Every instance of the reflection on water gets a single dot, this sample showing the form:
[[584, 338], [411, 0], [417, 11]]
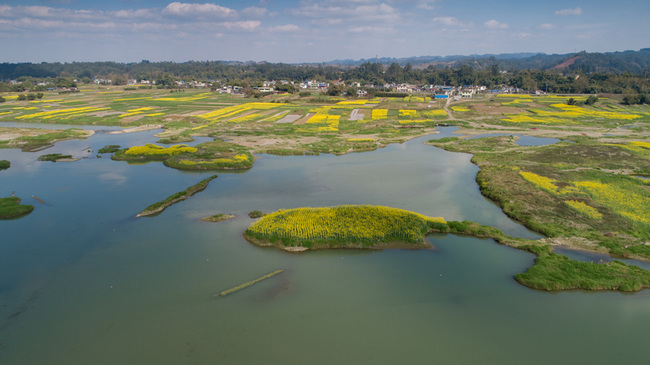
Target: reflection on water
[[84, 282]]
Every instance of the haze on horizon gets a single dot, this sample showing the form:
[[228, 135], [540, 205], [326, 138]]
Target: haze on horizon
[[297, 31]]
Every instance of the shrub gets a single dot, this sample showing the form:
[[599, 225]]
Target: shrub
[[256, 214]]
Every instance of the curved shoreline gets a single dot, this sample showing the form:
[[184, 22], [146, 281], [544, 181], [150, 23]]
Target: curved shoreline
[[285, 230]]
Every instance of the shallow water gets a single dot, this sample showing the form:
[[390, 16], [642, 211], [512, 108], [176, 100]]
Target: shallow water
[[84, 282]]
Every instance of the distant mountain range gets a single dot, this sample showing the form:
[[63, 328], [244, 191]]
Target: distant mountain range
[[616, 62]]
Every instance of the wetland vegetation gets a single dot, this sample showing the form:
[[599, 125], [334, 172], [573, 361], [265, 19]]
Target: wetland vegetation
[[159, 207], [583, 192], [218, 218], [11, 208], [377, 227], [54, 157]]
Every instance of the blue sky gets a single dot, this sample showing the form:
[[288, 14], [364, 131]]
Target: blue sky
[[312, 31]]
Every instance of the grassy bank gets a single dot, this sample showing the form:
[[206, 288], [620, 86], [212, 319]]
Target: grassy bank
[[373, 227], [11, 208], [556, 272], [158, 207], [583, 194], [32, 138]]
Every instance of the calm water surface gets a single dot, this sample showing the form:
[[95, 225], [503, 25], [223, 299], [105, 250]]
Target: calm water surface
[[84, 282]]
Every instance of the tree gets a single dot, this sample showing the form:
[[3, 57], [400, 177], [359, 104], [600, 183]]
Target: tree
[[591, 100], [393, 73], [334, 90], [286, 88], [118, 79]]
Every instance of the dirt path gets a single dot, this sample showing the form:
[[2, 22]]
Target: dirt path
[[449, 114]]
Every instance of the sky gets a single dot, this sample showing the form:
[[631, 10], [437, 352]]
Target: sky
[[297, 31]]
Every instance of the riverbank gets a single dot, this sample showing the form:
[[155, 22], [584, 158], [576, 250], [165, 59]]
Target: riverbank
[[580, 194]]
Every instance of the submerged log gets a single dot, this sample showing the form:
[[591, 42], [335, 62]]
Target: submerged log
[[248, 283]]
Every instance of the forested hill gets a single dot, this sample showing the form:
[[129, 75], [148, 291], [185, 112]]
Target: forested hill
[[611, 62], [634, 62]]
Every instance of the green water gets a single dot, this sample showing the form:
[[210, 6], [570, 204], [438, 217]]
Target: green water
[[83, 282]]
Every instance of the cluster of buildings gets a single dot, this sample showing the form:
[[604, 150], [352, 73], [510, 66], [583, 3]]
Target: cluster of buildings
[[435, 91]]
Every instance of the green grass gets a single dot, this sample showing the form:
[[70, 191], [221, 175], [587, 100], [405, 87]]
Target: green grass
[[47, 138], [4, 164], [381, 227], [215, 155], [256, 214], [54, 157], [556, 272], [218, 218], [499, 178], [11, 208], [159, 207], [109, 149]]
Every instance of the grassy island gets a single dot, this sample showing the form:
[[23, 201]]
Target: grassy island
[[11, 208], [216, 155], [158, 207], [109, 149], [4, 164], [54, 157], [345, 226], [218, 218]]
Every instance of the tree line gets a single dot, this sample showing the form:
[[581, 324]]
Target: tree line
[[165, 74]]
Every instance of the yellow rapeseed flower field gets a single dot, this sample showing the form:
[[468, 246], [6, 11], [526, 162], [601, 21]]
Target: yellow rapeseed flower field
[[322, 116], [152, 150], [229, 111], [352, 102], [351, 223], [435, 113], [379, 114], [459, 109], [541, 182], [410, 113], [61, 112], [186, 99], [584, 209], [624, 199]]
